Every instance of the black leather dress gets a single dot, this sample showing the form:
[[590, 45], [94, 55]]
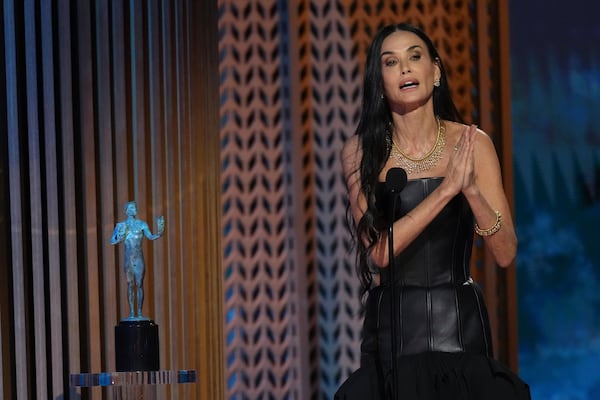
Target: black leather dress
[[442, 329]]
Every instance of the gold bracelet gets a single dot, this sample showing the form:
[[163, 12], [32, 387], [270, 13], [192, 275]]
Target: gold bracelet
[[495, 228]]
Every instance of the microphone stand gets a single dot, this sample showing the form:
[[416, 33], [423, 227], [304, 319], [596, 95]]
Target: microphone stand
[[393, 315], [396, 180]]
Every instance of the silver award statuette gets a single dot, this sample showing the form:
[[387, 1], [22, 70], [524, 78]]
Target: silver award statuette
[[132, 231]]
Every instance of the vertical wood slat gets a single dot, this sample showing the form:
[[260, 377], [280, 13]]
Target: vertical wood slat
[[154, 129], [52, 203], [67, 151], [4, 388], [508, 175], [156, 102], [484, 106], [108, 262], [138, 95], [174, 153], [36, 237], [494, 106], [188, 195], [208, 319], [140, 135], [172, 255], [87, 132], [122, 143], [5, 283], [15, 198]]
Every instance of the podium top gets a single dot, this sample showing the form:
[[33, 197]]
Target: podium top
[[132, 378]]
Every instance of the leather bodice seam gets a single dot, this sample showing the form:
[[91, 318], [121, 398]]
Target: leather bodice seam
[[481, 318], [453, 280], [401, 321], [461, 340]]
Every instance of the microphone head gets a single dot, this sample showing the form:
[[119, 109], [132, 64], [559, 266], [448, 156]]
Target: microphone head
[[395, 180]]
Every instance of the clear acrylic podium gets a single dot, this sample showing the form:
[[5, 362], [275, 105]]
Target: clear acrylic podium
[[132, 385]]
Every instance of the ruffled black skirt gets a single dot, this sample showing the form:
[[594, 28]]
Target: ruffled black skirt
[[436, 376]]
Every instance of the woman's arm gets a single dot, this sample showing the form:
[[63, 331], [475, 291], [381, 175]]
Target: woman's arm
[[485, 193], [407, 228]]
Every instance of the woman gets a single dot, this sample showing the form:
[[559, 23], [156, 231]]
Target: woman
[[441, 329]]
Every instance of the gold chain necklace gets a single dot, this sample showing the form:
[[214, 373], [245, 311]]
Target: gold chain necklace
[[428, 161]]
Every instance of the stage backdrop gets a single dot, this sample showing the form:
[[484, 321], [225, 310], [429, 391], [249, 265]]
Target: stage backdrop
[[555, 68]]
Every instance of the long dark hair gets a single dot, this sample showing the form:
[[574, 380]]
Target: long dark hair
[[372, 131]]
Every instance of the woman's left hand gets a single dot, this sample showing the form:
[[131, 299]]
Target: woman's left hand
[[466, 155]]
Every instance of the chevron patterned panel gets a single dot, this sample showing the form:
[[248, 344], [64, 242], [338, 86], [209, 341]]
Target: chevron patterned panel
[[336, 81], [260, 353], [302, 132]]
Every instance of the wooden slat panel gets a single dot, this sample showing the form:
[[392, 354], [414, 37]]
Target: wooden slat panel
[[486, 110], [122, 183], [99, 112], [503, 86], [68, 209], [107, 262], [484, 106], [493, 104], [138, 98], [157, 291], [88, 200], [5, 388], [172, 257], [56, 363], [36, 236], [207, 298], [6, 326], [185, 209], [16, 212], [173, 121], [154, 136]]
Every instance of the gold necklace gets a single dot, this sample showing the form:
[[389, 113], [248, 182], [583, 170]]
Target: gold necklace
[[428, 161]]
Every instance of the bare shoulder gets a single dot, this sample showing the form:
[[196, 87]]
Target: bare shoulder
[[484, 143], [486, 157], [454, 130]]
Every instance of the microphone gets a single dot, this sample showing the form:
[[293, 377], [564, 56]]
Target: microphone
[[395, 180]]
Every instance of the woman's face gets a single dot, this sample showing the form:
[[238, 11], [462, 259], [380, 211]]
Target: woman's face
[[407, 69]]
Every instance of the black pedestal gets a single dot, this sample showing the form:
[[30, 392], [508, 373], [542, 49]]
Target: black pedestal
[[136, 346]]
